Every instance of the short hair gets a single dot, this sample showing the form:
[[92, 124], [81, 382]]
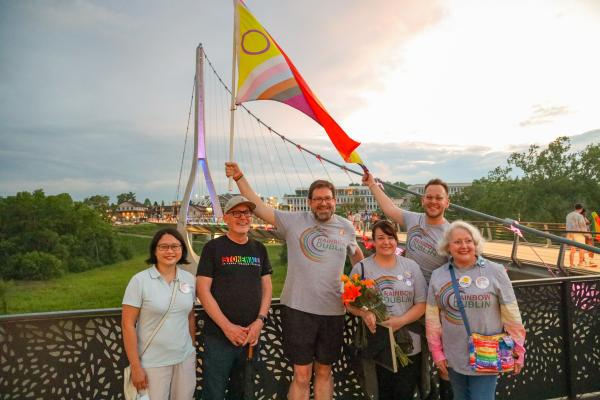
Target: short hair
[[386, 227], [321, 183], [154, 242], [578, 206], [436, 181], [444, 243]]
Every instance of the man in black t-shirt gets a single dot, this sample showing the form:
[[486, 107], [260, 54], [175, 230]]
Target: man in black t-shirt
[[234, 286]]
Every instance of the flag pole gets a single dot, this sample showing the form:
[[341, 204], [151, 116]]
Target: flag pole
[[236, 24]]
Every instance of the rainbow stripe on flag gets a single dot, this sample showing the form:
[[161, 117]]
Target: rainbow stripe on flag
[[265, 72]]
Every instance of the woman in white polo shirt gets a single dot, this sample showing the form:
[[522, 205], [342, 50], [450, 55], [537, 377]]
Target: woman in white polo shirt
[[167, 369]]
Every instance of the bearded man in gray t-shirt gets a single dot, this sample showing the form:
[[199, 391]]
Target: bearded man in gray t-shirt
[[318, 242]]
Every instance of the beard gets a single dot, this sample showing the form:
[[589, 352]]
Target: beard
[[323, 215]]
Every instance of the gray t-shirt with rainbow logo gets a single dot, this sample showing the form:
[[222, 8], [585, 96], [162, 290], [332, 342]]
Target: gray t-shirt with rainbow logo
[[316, 256], [421, 242]]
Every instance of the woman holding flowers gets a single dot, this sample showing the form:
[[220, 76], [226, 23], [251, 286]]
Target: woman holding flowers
[[488, 301], [403, 291]]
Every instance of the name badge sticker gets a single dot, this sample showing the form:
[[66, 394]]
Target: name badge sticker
[[185, 287], [465, 281], [482, 282]]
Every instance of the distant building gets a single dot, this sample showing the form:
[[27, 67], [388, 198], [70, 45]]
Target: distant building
[[131, 211], [356, 195]]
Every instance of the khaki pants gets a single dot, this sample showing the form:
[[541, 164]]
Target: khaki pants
[[173, 382]]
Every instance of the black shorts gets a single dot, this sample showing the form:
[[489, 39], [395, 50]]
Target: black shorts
[[311, 337]]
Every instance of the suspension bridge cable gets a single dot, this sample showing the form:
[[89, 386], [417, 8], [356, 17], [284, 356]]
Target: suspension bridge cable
[[306, 162], [223, 128], [246, 142], [273, 169], [293, 163], [187, 130], [261, 164], [215, 122], [285, 174], [325, 168]]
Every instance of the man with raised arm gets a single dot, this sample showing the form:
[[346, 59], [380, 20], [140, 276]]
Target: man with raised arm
[[313, 314], [423, 231]]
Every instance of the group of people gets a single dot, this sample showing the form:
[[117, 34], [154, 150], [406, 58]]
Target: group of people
[[362, 221], [233, 283], [582, 230]]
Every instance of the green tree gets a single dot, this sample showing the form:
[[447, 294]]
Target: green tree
[[123, 197], [44, 236], [100, 203], [541, 184]]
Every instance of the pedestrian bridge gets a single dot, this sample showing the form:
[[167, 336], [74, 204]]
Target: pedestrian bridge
[[79, 354]]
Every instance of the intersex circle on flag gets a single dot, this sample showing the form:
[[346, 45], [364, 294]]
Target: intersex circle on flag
[[253, 41]]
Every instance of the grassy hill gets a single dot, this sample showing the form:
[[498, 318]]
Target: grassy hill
[[103, 287]]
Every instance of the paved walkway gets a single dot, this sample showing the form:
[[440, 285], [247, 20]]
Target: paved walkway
[[526, 252]]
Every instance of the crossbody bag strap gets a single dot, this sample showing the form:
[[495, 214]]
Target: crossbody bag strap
[[461, 306], [162, 320], [362, 270]]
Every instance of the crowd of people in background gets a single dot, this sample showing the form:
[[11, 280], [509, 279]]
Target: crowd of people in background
[[441, 283]]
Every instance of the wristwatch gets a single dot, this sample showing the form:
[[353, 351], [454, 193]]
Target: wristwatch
[[263, 318]]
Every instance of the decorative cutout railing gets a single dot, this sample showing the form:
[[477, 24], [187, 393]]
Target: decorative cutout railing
[[79, 355]]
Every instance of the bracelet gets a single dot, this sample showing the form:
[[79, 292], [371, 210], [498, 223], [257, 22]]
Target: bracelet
[[238, 177]]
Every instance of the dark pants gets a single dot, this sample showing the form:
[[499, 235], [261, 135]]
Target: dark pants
[[222, 369], [402, 384]]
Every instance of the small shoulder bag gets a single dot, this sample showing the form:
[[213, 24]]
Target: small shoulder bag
[[130, 392], [487, 353]]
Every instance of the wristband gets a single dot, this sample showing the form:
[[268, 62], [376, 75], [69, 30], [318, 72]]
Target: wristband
[[238, 177]]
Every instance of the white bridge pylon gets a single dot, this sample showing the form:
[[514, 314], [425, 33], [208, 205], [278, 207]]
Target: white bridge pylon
[[199, 159]]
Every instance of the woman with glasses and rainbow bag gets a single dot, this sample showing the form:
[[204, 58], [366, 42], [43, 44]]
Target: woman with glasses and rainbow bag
[[159, 325], [473, 324]]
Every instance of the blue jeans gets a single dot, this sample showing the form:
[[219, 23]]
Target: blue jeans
[[222, 369], [473, 387]]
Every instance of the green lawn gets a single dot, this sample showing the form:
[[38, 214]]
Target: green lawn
[[101, 287]]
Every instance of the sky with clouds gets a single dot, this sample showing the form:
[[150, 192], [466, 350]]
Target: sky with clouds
[[94, 95]]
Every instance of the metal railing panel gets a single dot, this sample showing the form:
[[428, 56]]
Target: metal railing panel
[[79, 354]]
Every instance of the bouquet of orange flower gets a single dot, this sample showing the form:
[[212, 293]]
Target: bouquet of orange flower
[[361, 293]]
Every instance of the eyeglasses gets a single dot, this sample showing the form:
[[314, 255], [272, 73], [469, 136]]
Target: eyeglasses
[[322, 199], [238, 214], [172, 247]]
